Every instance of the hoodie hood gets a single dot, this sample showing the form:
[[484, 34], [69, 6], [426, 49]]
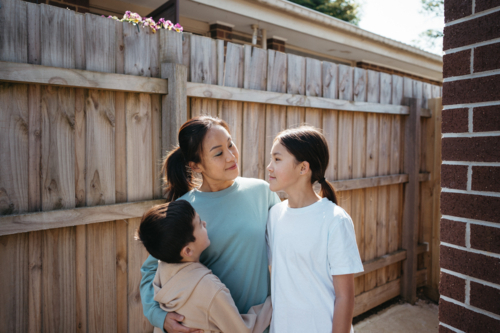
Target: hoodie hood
[[174, 283]]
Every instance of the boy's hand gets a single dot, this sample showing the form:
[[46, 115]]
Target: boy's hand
[[171, 324]]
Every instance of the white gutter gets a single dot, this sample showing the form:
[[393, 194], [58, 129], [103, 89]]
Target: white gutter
[[317, 17]]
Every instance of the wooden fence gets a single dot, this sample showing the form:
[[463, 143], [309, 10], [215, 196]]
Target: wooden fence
[[88, 106]]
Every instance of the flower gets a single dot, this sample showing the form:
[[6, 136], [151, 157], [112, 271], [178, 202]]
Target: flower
[[135, 19], [178, 27]]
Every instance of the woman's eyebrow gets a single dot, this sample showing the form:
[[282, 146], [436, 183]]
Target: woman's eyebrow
[[228, 139]]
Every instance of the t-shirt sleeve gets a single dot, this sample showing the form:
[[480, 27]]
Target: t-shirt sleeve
[[273, 199], [343, 254], [268, 242]]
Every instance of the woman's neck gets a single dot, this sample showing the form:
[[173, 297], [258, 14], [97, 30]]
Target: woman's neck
[[302, 196], [210, 185]]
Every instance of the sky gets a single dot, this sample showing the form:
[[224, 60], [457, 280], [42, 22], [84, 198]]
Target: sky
[[401, 20]]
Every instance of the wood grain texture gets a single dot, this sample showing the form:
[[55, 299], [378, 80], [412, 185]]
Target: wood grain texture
[[59, 303], [156, 142], [345, 156], [14, 140], [154, 54], [101, 273], [296, 74], [330, 130], [99, 44], [14, 32], [410, 213], [234, 66], [57, 37], [186, 53], [330, 80], [171, 46], [14, 287], [33, 16], [120, 149], [346, 81], [266, 97], [81, 278], [383, 261], [370, 299], [27, 73], [58, 148], [35, 281], [80, 147], [137, 50], [121, 237], [202, 70], [139, 147], [13, 224], [137, 254], [255, 68], [360, 86], [276, 71], [314, 86], [253, 148]]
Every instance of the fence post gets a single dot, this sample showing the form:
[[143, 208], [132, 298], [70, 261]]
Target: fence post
[[174, 104], [410, 210]]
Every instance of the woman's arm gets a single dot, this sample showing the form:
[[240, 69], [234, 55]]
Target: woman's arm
[[344, 303]]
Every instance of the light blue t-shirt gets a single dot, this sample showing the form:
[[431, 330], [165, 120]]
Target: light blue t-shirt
[[236, 223]]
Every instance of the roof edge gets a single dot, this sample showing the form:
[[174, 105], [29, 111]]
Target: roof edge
[[317, 17]]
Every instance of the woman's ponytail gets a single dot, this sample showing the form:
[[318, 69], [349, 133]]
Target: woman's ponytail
[[177, 175], [328, 191]]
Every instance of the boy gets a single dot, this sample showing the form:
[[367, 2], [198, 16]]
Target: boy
[[175, 234]]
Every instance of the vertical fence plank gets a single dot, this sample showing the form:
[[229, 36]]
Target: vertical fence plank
[[314, 85], [345, 156], [137, 50], [171, 46], [346, 80], [58, 276], [186, 53], [296, 84], [201, 60], [137, 322], [14, 313], [120, 129], [330, 80], [254, 114], [410, 214], [371, 194], [14, 32], [121, 276], [359, 169], [395, 168], [275, 114]]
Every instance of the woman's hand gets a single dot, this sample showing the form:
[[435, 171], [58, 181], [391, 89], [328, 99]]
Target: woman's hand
[[172, 324]]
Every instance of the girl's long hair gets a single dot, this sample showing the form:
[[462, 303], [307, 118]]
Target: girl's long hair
[[306, 143], [178, 177]]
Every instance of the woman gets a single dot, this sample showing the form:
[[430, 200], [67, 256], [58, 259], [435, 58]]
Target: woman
[[235, 209]]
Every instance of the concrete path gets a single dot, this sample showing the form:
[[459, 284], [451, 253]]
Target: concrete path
[[421, 317]]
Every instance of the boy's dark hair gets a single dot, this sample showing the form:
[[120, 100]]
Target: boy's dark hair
[[165, 229]]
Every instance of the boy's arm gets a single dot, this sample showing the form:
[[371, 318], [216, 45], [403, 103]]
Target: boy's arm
[[224, 314], [151, 308], [344, 303]]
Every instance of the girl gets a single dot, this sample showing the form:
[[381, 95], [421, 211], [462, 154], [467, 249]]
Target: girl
[[311, 241], [234, 208]]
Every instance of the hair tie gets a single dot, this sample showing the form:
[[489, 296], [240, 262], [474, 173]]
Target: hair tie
[[322, 180]]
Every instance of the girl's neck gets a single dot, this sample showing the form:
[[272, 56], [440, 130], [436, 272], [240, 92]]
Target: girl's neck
[[210, 185], [302, 197]]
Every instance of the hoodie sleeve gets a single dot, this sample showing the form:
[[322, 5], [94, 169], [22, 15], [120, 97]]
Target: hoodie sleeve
[[224, 314], [151, 308]]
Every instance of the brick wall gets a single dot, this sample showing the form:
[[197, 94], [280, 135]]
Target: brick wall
[[470, 173]]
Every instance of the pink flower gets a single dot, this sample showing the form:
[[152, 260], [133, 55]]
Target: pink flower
[[178, 28]]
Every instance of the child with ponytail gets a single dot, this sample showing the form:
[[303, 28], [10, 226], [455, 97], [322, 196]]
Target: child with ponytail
[[311, 242]]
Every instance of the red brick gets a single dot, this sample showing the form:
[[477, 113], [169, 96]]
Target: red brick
[[477, 149], [452, 232], [486, 58], [482, 5], [485, 238], [486, 118], [471, 264], [454, 176], [478, 207], [455, 121], [473, 31], [452, 286], [481, 89], [466, 320], [486, 178], [456, 64], [455, 9], [485, 297]]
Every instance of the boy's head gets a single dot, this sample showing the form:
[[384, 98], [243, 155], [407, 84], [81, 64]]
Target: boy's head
[[173, 232]]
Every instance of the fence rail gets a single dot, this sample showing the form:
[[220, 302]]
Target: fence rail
[[88, 107]]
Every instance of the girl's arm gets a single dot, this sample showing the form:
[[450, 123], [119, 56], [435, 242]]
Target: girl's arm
[[344, 303]]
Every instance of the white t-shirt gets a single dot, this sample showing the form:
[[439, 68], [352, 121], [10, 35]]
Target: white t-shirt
[[306, 246]]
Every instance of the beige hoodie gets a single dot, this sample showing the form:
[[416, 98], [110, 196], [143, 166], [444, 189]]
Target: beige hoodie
[[190, 289]]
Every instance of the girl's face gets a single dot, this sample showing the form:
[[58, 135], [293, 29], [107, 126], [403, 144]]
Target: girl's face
[[284, 171], [219, 156]]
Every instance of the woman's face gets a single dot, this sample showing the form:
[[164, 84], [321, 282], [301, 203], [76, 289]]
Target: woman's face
[[219, 156]]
